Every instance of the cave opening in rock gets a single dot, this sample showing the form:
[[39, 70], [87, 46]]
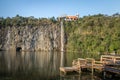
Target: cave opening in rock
[[18, 49]]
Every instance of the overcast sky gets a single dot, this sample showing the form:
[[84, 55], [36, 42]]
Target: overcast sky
[[50, 8]]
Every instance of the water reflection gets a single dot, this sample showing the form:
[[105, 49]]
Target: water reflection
[[37, 66], [40, 65], [82, 76], [63, 59]]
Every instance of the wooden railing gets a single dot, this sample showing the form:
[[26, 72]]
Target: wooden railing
[[91, 63], [109, 59]]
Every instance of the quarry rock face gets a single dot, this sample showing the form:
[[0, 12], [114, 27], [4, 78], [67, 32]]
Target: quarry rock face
[[30, 38]]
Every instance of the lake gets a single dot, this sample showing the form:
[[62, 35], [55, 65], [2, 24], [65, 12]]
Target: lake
[[38, 66]]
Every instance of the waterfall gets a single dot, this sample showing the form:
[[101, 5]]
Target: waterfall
[[62, 36], [7, 44]]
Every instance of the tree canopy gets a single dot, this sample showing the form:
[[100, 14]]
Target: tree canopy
[[96, 33], [24, 21]]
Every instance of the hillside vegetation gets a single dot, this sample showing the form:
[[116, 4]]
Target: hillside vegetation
[[93, 34]]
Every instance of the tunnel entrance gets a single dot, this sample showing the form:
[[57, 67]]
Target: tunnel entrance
[[18, 49]]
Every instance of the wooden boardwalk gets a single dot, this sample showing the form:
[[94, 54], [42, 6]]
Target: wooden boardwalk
[[107, 63], [112, 69], [69, 69]]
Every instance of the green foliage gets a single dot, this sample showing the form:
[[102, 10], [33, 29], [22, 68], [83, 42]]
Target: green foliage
[[53, 19], [25, 21], [93, 34]]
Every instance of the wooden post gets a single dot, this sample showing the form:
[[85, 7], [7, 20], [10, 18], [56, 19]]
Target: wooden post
[[79, 66], [92, 67]]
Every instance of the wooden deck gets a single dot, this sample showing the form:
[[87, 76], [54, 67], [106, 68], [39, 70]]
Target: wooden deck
[[69, 69], [112, 69], [106, 63]]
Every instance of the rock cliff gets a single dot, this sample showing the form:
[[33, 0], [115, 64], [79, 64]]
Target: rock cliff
[[30, 38]]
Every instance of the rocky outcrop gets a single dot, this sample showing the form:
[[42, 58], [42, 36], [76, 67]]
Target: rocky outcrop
[[27, 38]]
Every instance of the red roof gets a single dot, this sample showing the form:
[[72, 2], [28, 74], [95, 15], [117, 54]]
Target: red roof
[[72, 17]]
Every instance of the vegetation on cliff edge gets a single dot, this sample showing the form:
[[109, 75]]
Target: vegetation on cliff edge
[[93, 33]]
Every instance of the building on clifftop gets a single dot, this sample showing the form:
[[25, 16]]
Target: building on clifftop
[[69, 17]]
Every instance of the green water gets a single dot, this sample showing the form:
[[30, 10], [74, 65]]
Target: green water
[[38, 66]]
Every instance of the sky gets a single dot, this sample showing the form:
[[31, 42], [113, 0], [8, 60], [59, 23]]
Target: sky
[[50, 8]]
